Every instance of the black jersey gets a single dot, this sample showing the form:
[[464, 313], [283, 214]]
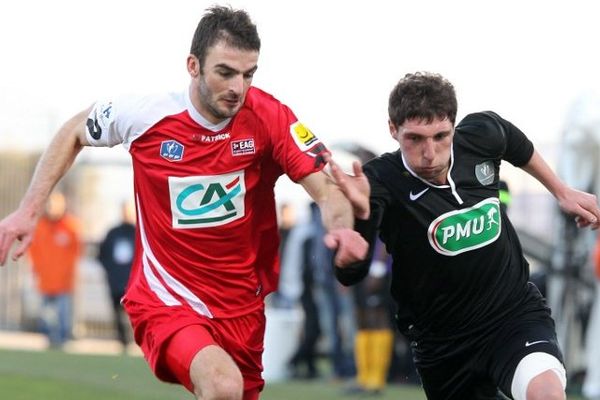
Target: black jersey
[[458, 268]]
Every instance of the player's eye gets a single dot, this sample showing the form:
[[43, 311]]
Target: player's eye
[[440, 136], [226, 74]]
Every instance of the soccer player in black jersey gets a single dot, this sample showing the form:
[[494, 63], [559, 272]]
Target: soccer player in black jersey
[[459, 276]]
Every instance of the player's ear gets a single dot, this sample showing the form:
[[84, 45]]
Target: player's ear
[[193, 66], [393, 130]]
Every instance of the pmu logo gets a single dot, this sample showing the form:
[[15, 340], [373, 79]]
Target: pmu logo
[[458, 231], [207, 201], [171, 150]]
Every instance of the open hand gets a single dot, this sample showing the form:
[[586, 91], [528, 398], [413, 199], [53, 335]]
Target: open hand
[[584, 206], [356, 188], [15, 227]]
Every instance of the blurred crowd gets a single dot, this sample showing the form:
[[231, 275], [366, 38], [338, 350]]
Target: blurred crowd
[[55, 253]]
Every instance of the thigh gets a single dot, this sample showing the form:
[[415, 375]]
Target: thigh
[[230, 345], [517, 340], [64, 305], [214, 374], [457, 379], [154, 326], [243, 339], [538, 373], [193, 343]]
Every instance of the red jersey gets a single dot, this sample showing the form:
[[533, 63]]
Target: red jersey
[[207, 230]]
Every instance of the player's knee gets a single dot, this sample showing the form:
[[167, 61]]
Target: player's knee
[[225, 386], [215, 376], [232, 389], [540, 392]]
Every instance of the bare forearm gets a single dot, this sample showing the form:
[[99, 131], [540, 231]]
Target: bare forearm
[[53, 164], [540, 170], [336, 210], [582, 205], [338, 219]]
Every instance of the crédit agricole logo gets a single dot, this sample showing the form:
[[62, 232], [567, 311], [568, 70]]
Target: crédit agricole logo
[[458, 231], [207, 201]]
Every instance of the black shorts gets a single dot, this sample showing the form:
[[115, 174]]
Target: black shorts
[[477, 372]]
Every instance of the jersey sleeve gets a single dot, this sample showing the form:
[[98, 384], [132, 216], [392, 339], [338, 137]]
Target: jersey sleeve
[[123, 119], [519, 148], [493, 136], [295, 148], [105, 126]]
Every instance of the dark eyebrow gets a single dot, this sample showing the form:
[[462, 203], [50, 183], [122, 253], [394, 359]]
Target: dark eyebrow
[[252, 70], [446, 132], [230, 69]]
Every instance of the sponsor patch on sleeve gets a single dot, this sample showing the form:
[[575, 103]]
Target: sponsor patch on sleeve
[[318, 152], [102, 115], [303, 137]]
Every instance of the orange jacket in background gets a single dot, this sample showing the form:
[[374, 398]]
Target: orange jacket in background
[[54, 252]]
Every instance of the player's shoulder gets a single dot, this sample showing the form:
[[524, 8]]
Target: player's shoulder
[[263, 107], [123, 118], [483, 121], [141, 104], [485, 129], [387, 163], [256, 98]]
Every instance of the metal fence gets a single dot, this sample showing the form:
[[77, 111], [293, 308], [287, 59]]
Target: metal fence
[[15, 172]]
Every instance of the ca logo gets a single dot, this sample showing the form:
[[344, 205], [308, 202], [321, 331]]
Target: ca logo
[[207, 201]]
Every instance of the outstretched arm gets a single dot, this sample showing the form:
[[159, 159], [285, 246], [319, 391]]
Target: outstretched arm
[[582, 205], [369, 213], [338, 218], [54, 163]]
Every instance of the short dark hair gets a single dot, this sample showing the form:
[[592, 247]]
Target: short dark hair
[[224, 23], [422, 95]]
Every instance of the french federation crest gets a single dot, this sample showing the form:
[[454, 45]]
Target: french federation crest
[[485, 173], [171, 150]]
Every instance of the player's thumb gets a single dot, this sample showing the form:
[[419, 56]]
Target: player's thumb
[[331, 241], [22, 247]]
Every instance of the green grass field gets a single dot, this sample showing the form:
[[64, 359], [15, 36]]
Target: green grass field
[[55, 375]]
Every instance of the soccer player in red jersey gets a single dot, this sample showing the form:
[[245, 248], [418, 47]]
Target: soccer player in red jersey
[[205, 163]]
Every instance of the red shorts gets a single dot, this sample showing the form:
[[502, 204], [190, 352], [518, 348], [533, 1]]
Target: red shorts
[[170, 337]]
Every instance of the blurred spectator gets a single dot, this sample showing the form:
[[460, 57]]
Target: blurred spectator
[[55, 251], [287, 220], [299, 257], [116, 256], [504, 195], [373, 344], [307, 277], [591, 384]]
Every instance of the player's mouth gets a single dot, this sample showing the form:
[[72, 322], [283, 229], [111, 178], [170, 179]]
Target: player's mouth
[[231, 102], [428, 170]]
